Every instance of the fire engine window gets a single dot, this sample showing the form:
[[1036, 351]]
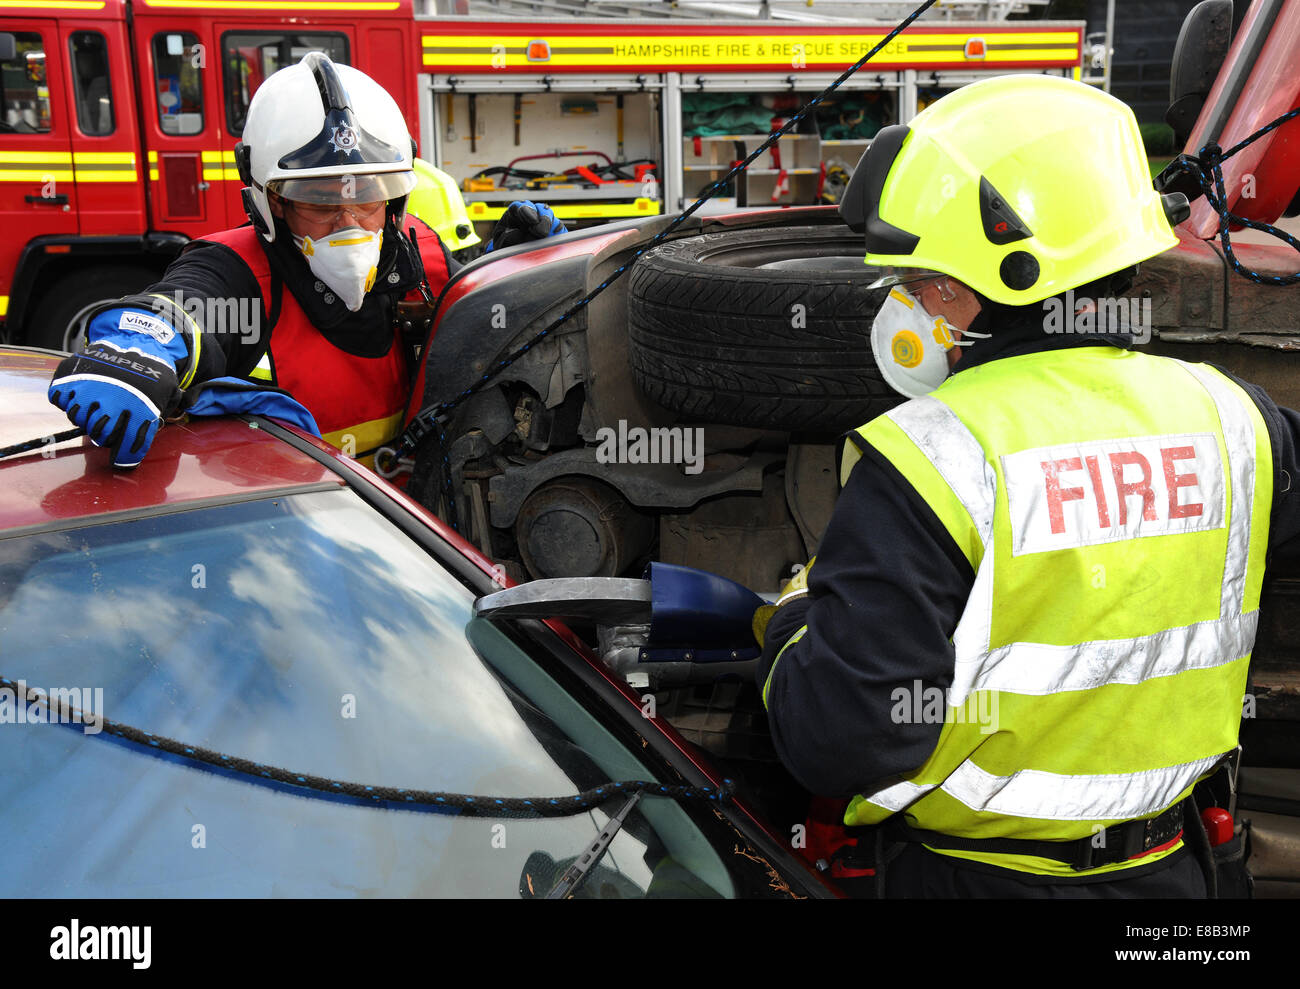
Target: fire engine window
[[24, 92], [90, 86], [248, 58], [178, 82]]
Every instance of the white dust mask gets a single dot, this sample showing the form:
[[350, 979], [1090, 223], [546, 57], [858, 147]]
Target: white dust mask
[[346, 261], [911, 345]]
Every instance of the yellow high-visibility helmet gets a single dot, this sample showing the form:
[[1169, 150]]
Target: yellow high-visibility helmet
[[437, 201], [1019, 186]]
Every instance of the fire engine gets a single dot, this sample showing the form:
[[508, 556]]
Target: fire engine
[[119, 118]]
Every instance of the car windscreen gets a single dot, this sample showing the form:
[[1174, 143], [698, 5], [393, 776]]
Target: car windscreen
[[306, 633]]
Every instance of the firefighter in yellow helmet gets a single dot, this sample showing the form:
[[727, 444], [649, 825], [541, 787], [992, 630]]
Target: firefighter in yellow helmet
[[1025, 638]]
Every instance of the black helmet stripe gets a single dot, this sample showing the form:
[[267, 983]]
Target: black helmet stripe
[[332, 93], [341, 141], [860, 204]]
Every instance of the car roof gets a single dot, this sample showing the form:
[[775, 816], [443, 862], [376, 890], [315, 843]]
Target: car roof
[[190, 462]]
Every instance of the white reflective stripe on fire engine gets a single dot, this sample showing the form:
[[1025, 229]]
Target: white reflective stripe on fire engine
[[1239, 436], [955, 454]]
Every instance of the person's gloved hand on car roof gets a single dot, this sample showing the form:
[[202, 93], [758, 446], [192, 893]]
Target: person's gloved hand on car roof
[[524, 221]]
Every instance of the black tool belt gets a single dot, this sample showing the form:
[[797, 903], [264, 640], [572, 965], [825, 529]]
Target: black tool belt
[[1117, 843]]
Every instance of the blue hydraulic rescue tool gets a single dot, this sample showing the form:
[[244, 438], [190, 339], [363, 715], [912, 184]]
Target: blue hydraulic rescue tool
[[676, 625]]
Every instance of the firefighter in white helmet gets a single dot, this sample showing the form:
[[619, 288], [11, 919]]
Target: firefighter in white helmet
[[321, 295]]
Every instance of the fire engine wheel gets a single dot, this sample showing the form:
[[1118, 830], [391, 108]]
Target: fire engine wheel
[[53, 322], [768, 328]]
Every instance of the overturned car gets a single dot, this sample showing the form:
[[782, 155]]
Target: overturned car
[[690, 413]]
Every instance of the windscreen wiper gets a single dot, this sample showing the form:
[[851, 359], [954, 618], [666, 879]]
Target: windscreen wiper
[[577, 872]]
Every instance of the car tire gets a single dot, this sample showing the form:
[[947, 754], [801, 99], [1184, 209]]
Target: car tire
[[50, 321], [716, 332]]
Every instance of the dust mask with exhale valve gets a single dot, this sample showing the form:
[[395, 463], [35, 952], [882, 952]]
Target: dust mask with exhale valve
[[346, 261], [911, 345]]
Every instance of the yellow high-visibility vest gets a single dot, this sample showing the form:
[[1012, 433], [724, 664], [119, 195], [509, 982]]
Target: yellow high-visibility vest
[[1114, 507]]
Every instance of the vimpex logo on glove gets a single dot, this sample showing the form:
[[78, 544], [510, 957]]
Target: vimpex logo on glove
[[138, 322]]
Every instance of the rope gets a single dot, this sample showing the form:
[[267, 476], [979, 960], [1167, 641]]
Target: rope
[[435, 417], [1207, 168], [17, 448], [321, 787]]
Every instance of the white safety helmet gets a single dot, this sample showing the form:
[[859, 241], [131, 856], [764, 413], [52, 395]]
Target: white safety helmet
[[318, 132]]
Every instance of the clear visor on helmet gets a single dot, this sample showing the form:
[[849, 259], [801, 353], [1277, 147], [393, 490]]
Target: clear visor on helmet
[[343, 190], [908, 278]]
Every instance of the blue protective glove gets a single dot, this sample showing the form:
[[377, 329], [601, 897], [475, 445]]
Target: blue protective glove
[[122, 386], [524, 221]]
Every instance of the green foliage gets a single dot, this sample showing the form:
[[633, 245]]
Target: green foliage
[[1158, 138]]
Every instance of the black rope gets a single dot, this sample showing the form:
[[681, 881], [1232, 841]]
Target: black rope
[[436, 417], [1207, 169], [321, 787], [17, 448]]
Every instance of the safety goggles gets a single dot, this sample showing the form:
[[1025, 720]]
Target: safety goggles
[[910, 279], [344, 190], [319, 213]]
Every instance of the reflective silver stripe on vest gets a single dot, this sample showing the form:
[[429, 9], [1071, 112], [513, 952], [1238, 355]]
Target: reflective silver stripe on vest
[[1239, 435], [1037, 668], [955, 454], [1057, 797], [971, 638], [900, 795]]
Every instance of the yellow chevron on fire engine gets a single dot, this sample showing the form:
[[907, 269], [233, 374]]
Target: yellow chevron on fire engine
[[4, 304], [153, 166], [36, 166], [55, 4], [219, 166], [378, 5], [579, 211], [104, 166]]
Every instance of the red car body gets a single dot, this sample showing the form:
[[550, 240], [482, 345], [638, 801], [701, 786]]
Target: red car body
[[199, 462]]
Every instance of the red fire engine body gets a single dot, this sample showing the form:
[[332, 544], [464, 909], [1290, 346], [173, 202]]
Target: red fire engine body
[[119, 118]]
